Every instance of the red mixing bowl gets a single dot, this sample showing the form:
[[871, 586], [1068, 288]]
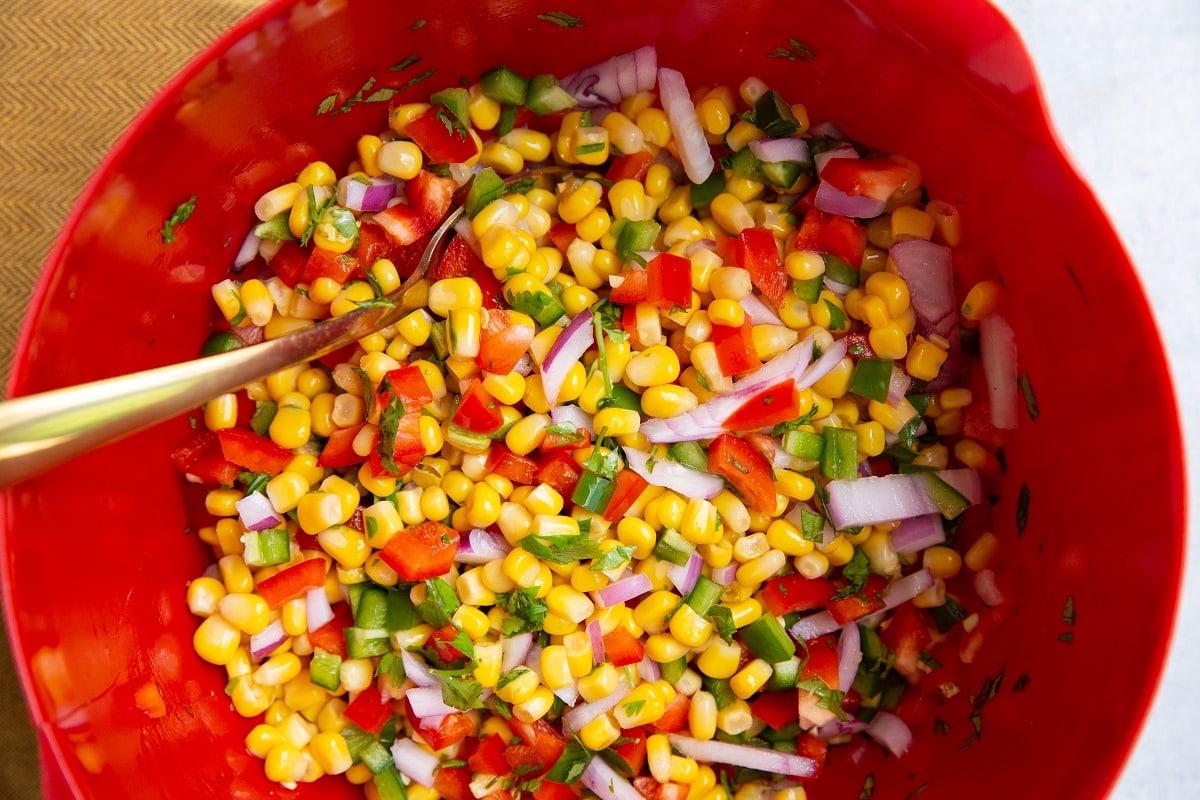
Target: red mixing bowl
[[95, 598]]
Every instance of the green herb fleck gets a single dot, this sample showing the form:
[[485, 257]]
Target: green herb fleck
[[1068, 614], [722, 618], [439, 604], [404, 63], [633, 707], [561, 549], [1022, 508], [868, 788], [1027, 392], [857, 570], [796, 50], [526, 612], [416, 26], [828, 698], [614, 558], [570, 765], [254, 481], [389, 425], [178, 217], [563, 20], [326, 105]]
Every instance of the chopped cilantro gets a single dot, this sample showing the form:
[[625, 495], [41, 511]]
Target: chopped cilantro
[[812, 525], [827, 698], [254, 481], [563, 20], [526, 612], [633, 707], [439, 604], [464, 693], [561, 549], [722, 618], [389, 425], [1022, 508], [178, 217], [510, 676], [856, 571], [614, 558]]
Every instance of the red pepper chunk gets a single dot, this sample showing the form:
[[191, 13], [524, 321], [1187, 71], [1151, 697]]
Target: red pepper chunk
[[423, 552], [460, 261], [562, 234], [830, 233], [746, 469], [369, 710], [440, 135], [546, 741], [867, 601], [549, 790], [401, 395], [502, 343], [478, 411], [630, 287], [331, 636], [441, 642], [253, 452], [629, 488], [323, 263], [675, 716], [288, 263], [623, 648], [631, 166], [814, 747], [450, 730], [339, 448], [453, 783], [760, 257], [488, 757], [771, 406], [735, 349], [289, 582], [876, 178], [559, 469], [651, 789], [777, 709], [201, 457], [669, 281], [633, 749], [822, 661], [787, 594], [507, 464]]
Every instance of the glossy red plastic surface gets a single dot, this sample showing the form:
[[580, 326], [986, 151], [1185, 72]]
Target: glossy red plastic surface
[[96, 555]]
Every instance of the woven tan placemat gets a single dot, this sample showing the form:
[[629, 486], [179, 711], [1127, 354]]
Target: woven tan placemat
[[72, 76]]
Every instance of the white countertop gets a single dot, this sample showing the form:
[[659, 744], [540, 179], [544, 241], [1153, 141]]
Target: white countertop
[[1121, 80]]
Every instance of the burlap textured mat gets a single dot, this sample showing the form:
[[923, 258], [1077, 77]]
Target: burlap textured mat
[[72, 76]]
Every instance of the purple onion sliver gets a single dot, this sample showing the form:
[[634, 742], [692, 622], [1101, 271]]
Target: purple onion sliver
[[426, 701], [256, 512], [783, 149], [648, 670], [567, 349], [814, 625], [891, 732], [579, 716], [317, 610], [902, 590], [569, 694], [841, 151], [623, 590], [841, 727], [740, 755], [986, 588], [416, 670], [915, 534], [758, 312], [723, 576], [481, 546], [832, 200], [604, 781], [597, 639], [414, 761], [264, 642], [849, 655], [998, 354], [248, 251], [572, 415]]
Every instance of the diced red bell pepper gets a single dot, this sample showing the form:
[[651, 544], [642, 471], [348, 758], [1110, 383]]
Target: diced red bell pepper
[[787, 594], [291, 581], [507, 464], [369, 710], [331, 636], [633, 166], [858, 345], [628, 489], [502, 343], [460, 261], [253, 452], [651, 789], [675, 716], [977, 417], [430, 194], [323, 263], [777, 709], [632, 751], [633, 287], [876, 178], [372, 245], [478, 411], [453, 783], [562, 234], [813, 747], [907, 634], [763, 443], [442, 141], [422, 552], [440, 641], [546, 741], [771, 406], [629, 320], [559, 469], [409, 387], [565, 441], [735, 349], [339, 448], [202, 458], [549, 790], [288, 263], [488, 757], [822, 662], [830, 233], [760, 257], [523, 758], [622, 647], [867, 601], [669, 281], [451, 729], [739, 463], [402, 223]]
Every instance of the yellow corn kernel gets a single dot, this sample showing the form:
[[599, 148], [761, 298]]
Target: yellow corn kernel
[[754, 572], [890, 288], [742, 133], [654, 366], [719, 660], [942, 562], [909, 222], [925, 359], [570, 603], [981, 300], [285, 764], [743, 189], [521, 567], [689, 628], [892, 418], [248, 613], [578, 202], [663, 647], [641, 706], [536, 707], [804, 265], [889, 341], [520, 688], [871, 438], [235, 574], [262, 738], [502, 158], [556, 667], [277, 201], [812, 565], [702, 716], [714, 115], [599, 734], [601, 682], [750, 678], [215, 640], [204, 596], [786, 537], [982, 552], [655, 126], [730, 213], [221, 412]]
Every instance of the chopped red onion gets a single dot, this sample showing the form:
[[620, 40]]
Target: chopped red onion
[[998, 354], [849, 655], [833, 200], [247, 252], [417, 670], [515, 649], [689, 136], [827, 130], [890, 731], [426, 701], [648, 670], [597, 639], [524, 365], [841, 727], [927, 269], [758, 312], [572, 415], [481, 546], [533, 659], [674, 476], [986, 588], [966, 482], [902, 590], [360, 193], [684, 578], [915, 534], [841, 151], [263, 643], [898, 386], [605, 783], [464, 231], [739, 755], [568, 694], [256, 512], [840, 289], [783, 149], [623, 590], [568, 348], [614, 79], [579, 716], [814, 625], [723, 576], [867, 501], [317, 610], [414, 761]]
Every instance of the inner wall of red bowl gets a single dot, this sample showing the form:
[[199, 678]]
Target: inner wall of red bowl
[[95, 597]]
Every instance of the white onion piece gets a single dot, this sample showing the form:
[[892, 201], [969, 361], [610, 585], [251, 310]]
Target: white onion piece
[[417, 670], [849, 655], [998, 353], [833, 200], [723, 576], [514, 650], [685, 125], [568, 348], [572, 415], [814, 625], [426, 701], [464, 231], [597, 639], [783, 149], [758, 312], [867, 501], [605, 783], [533, 659], [915, 534], [891, 732], [901, 590], [898, 385], [365, 194], [986, 588], [674, 476], [414, 761], [623, 590], [614, 79], [481, 546], [256, 512], [929, 272], [841, 151], [263, 643], [524, 365], [648, 670], [740, 755], [579, 716], [684, 577], [248, 251], [569, 694], [317, 610]]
